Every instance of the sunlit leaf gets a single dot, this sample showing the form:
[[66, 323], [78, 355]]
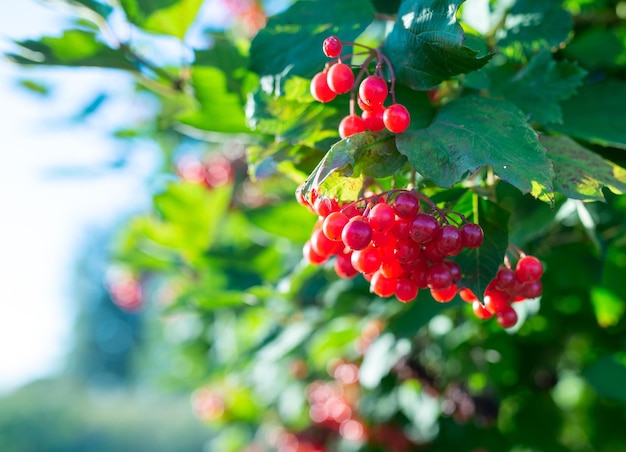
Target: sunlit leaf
[[72, 48], [170, 17], [580, 173], [533, 25], [426, 44], [289, 220], [471, 132]]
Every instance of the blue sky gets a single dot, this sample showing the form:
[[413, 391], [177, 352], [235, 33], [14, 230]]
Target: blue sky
[[45, 217]]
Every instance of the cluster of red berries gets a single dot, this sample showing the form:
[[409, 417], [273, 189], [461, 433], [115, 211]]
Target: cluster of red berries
[[395, 243], [338, 78], [507, 287]]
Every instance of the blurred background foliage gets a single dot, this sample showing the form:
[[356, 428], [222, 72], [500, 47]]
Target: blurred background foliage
[[202, 327]]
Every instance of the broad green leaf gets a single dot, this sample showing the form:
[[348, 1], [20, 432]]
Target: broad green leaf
[[170, 17], [471, 132], [363, 154], [426, 47], [607, 376], [596, 114], [335, 338], [580, 173], [285, 108], [598, 47], [539, 86], [533, 25], [292, 41], [72, 48], [219, 110], [289, 220], [480, 265], [608, 299]]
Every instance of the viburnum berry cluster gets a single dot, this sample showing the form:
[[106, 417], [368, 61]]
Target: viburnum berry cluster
[[396, 243], [507, 287], [338, 78]]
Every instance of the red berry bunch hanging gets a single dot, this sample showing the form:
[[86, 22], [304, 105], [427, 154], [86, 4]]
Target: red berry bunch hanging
[[370, 96], [398, 245], [507, 287]]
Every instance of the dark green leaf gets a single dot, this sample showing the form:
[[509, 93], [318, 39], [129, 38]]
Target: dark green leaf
[[480, 265], [533, 25], [98, 7], [596, 114], [292, 41], [471, 132], [540, 85], [580, 173], [73, 48], [363, 154], [598, 47], [426, 44], [607, 376], [170, 17]]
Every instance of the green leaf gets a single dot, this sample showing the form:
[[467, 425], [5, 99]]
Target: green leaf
[[598, 47], [380, 358], [292, 41], [336, 338], [539, 86], [281, 156], [72, 48], [219, 110], [608, 306], [363, 154], [580, 173], [170, 17], [471, 132], [286, 109], [426, 47], [534, 25], [288, 220], [480, 265], [607, 376], [596, 114]]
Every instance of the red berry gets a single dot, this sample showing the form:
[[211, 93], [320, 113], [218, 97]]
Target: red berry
[[467, 295], [507, 317], [373, 90], [381, 286], [384, 239], [373, 120], [472, 235], [407, 251], [324, 206], [332, 47], [532, 289], [382, 217], [323, 246], [392, 269], [505, 279], [334, 224], [449, 240], [406, 205], [528, 269], [311, 256], [439, 276], [444, 295], [402, 228], [344, 267], [320, 90], [396, 118], [480, 311], [350, 125], [340, 78], [424, 228], [497, 301], [357, 234], [406, 290], [455, 271], [366, 260]]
